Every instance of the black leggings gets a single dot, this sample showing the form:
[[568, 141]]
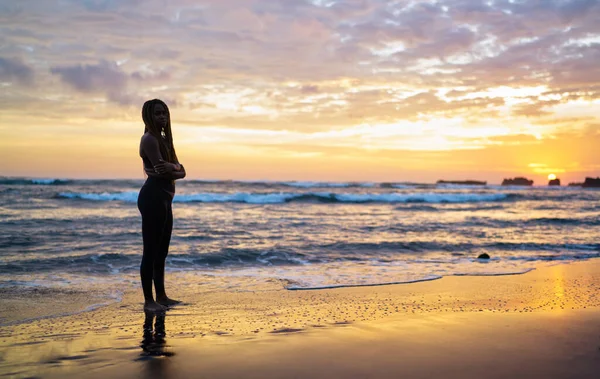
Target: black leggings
[[155, 205]]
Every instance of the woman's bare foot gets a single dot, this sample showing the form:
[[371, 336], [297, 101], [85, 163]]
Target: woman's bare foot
[[167, 302], [154, 307]]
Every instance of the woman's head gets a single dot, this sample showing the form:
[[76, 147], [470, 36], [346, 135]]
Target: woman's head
[[157, 121]]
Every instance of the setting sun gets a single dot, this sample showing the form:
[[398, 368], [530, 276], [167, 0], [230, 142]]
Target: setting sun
[[551, 177]]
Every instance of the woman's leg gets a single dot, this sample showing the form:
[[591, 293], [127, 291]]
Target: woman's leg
[[154, 216], [159, 262], [159, 265]]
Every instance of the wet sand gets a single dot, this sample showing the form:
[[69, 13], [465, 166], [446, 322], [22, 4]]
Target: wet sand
[[18, 304], [545, 323]]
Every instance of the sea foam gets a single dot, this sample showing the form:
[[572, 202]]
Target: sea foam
[[286, 197]]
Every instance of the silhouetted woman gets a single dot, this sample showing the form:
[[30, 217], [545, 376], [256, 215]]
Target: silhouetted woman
[[155, 199]]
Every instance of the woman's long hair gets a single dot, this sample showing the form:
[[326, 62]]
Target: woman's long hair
[[164, 136]]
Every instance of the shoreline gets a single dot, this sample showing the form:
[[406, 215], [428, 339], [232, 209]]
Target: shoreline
[[333, 287], [22, 305], [17, 299], [540, 307]]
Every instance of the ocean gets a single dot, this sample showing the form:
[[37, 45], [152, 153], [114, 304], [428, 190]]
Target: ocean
[[239, 235]]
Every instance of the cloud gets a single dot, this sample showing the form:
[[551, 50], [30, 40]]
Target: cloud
[[86, 78], [14, 69], [105, 5], [309, 89], [310, 66], [107, 77], [104, 77], [148, 75], [515, 139]]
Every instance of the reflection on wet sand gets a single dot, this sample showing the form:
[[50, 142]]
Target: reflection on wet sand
[[154, 347], [154, 343]]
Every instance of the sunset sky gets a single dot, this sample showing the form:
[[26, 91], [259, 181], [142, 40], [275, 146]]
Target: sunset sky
[[337, 90]]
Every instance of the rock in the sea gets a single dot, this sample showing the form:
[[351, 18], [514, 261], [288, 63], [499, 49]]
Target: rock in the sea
[[483, 256], [519, 181], [591, 183], [554, 182]]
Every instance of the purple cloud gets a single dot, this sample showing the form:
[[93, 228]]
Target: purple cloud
[[108, 78], [14, 69], [197, 49], [87, 78]]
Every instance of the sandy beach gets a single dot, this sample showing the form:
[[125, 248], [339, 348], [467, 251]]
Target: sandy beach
[[545, 323]]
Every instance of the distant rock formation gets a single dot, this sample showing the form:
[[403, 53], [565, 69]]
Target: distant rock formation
[[591, 183], [575, 184], [554, 182], [519, 181], [462, 182]]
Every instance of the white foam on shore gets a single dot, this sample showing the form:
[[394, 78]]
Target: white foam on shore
[[425, 279], [341, 274], [508, 273]]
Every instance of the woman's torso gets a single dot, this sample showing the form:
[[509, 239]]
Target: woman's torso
[[165, 185]]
